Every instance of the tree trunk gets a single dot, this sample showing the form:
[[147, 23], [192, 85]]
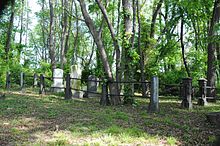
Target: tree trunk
[[64, 34], [51, 37], [218, 58], [77, 34], [211, 69], [118, 52], [144, 87], [21, 30], [115, 41], [10, 28], [134, 22], [67, 44], [183, 48], [127, 48], [153, 21], [115, 99], [43, 29]]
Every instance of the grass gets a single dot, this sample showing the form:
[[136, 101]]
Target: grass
[[30, 119]]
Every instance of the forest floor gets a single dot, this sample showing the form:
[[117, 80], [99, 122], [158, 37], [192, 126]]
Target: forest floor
[[30, 119]]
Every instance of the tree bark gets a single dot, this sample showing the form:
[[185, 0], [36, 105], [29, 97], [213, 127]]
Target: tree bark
[[51, 37], [118, 51], [115, 41], [77, 34], [115, 99], [134, 22], [21, 27], [211, 69], [43, 31], [183, 48], [10, 28], [64, 33], [218, 58], [67, 44], [141, 51], [127, 48], [154, 17]]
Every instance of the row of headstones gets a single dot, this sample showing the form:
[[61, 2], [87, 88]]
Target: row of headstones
[[186, 92], [72, 83], [71, 79], [58, 85]]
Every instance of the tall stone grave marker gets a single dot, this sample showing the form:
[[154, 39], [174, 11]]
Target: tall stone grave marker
[[75, 75], [92, 86], [57, 85], [187, 94], [154, 99]]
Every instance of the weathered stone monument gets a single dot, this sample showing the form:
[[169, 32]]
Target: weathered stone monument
[[57, 85], [187, 93], [8, 80], [22, 81], [35, 80], [92, 86], [202, 92], [75, 75], [104, 99], [154, 99]]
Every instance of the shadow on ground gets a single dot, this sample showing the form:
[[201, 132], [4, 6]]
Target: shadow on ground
[[50, 120]]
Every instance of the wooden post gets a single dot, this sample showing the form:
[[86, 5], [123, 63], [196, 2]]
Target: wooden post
[[104, 98], [187, 98], [35, 80], [42, 84], [202, 92], [68, 92], [22, 80], [154, 99], [8, 80]]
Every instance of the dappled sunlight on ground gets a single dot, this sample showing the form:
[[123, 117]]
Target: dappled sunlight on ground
[[50, 120]]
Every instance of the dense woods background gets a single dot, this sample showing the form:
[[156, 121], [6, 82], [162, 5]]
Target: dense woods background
[[116, 39]]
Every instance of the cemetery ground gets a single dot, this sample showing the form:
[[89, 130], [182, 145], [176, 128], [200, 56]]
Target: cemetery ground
[[32, 119]]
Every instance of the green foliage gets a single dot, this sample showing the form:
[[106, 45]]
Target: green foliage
[[45, 69]]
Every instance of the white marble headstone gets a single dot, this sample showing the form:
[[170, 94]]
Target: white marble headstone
[[76, 74], [58, 80]]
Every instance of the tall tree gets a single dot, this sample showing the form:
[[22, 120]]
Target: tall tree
[[10, 28], [51, 36], [64, 23], [183, 47], [115, 40], [212, 46], [141, 53], [127, 48], [154, 17], [115, 100]]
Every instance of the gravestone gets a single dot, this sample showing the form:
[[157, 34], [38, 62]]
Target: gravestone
[[104, 99], [8, 80], [187, 93], [22, 81], [57, 85], [202, 92], [92, 86], [154, 99], [35, 80], [75, 75]]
